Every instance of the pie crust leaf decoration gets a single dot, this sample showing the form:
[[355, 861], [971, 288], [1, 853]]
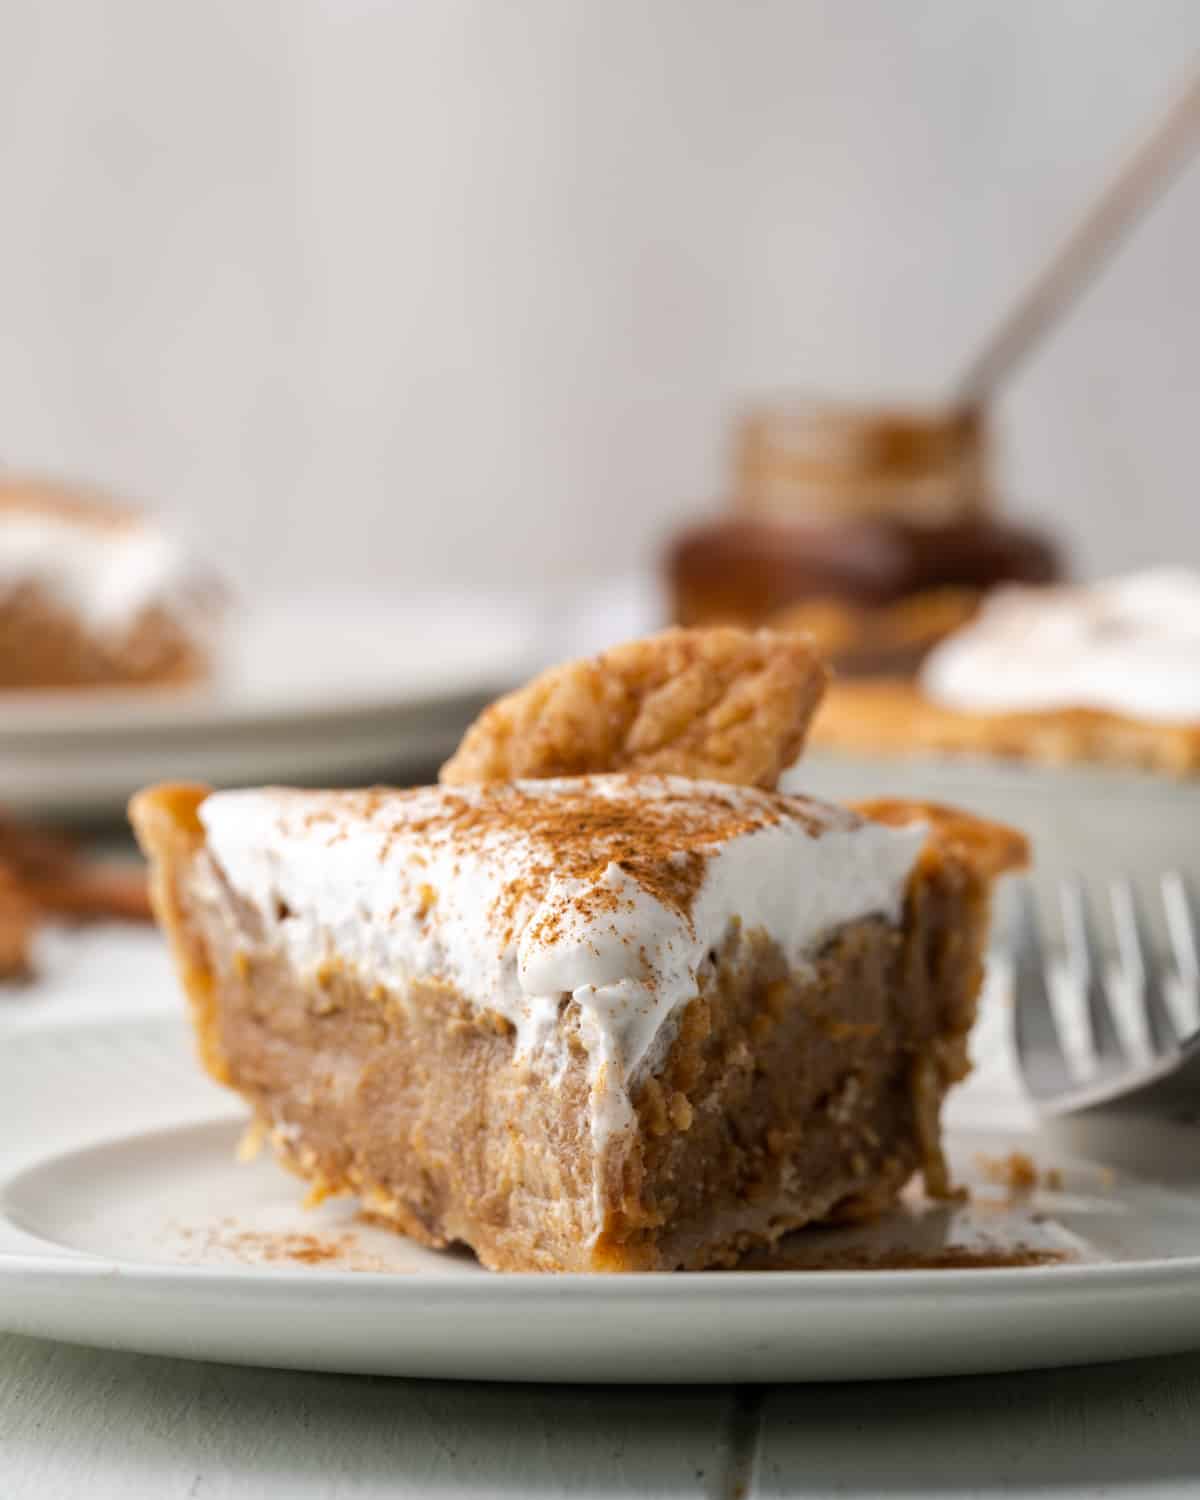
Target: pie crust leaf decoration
[[719, 705]]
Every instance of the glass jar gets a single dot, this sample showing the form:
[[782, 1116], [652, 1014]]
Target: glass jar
[[871, 527], [830, 460]]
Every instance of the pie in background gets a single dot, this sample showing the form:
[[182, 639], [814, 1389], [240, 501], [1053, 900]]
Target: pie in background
[[94, 594], [1085, 674]]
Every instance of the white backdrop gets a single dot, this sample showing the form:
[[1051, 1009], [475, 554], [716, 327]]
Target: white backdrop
[[461, 290]]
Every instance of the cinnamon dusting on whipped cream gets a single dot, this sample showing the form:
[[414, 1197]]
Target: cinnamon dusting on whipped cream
[[661, 841]]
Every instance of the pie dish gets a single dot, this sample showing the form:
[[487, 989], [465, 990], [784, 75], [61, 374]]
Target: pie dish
[[1104, 674], [93, 594], [602, 1000]]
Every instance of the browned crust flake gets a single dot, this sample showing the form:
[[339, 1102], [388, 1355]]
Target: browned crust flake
[[722, 705]]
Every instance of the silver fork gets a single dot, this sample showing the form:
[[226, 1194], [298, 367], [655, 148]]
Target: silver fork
[[1167, 1084]]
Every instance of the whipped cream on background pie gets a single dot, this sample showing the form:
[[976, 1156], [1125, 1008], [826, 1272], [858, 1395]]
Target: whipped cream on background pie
[[1105, 673], [1126, 646]]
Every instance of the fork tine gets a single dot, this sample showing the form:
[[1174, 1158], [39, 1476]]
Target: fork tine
[[1084, 956], [1183, 925], [1035, 1033], [1141, 968]]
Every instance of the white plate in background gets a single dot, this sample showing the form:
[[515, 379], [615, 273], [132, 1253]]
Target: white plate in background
[[320, 688], [126, 1222]]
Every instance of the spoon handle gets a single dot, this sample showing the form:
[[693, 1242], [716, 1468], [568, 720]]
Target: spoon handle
[[1144, 172]]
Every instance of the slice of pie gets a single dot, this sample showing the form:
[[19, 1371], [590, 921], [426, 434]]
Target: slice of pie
[[93, 594], [613, 1017]]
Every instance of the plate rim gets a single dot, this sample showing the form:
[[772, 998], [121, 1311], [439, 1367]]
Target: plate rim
[[185, 722], [1163, 1273], [692, 1328], [83, 717]]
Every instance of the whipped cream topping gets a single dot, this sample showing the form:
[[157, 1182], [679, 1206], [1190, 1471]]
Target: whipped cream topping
[[104, 574], [609, 890], [1128, 646]]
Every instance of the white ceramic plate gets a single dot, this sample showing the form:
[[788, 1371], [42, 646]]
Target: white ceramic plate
[[126, 1222], [319, 688]]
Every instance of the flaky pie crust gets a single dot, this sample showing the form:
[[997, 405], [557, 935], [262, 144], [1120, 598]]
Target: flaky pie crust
[[892, 717]]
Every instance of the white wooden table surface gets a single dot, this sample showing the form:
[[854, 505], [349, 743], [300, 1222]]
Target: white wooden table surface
[[80, 1424]]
